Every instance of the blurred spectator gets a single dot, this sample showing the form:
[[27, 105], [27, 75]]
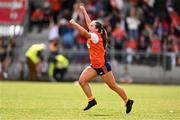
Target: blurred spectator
[[172, 48], [143, 44], [53, 32], [133, 2], [99, 8], [2, 58], [160, 9], [9, 57], [31, 7], [118, 35], [67, 34], [155, 49], [53, 46], [114, 18], [155, 45], [160, 27], [66, 14], [91, 9], [147, 32], [147, 10], [6, 55], [175, 5], [131, 48], [143, 48], [37, 19], [175, 19], [117, 4], [53, 39], [150, 3], [47, 12], [67, 4], [55, 8], [34, 60], [133, 24], [76, 12], [58, 66]]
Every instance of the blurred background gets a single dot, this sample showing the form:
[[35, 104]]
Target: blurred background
[[144, 39]]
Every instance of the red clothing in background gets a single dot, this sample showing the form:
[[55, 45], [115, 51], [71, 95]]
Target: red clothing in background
[[55, 5], [155, 46], [131, 43]]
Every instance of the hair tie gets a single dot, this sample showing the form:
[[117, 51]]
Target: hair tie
[[101, 31]]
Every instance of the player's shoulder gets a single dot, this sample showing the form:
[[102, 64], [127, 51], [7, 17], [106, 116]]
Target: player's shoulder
[[94, 37]]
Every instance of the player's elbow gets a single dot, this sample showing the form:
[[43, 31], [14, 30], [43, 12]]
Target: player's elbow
[[86, 35]]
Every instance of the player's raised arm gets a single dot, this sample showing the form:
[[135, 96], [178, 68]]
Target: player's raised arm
[[83, 31], [86, 16]]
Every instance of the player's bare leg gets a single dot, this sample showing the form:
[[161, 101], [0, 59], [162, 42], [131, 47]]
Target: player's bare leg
[[110, 81], [87, 75]]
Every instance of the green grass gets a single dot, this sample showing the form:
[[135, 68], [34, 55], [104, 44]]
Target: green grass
[[65, 101]]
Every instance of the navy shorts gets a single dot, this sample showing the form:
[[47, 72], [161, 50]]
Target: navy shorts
[[103, 70]]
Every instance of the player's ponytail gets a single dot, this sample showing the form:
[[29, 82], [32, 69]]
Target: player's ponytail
[[103, 33]]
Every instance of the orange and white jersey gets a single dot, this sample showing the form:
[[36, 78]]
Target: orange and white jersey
[[96, 50]]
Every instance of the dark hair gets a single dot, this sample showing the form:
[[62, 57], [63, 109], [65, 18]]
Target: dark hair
[[103, 33]]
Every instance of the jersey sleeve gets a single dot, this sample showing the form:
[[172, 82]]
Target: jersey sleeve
[[94, 37]]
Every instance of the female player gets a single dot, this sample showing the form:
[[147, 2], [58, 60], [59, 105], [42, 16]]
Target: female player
[[96, 43]]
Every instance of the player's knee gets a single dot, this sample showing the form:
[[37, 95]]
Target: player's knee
[[82, 82]]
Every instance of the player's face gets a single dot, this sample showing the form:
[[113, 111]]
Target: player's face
[[92, 27]]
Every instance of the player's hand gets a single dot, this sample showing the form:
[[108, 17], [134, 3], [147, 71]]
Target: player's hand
[[72, 21], [82, 7]]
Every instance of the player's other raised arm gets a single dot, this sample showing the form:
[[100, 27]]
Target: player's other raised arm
[[86, 16]]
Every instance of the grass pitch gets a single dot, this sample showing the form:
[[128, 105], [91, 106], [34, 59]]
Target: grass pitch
[[65, 101]]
